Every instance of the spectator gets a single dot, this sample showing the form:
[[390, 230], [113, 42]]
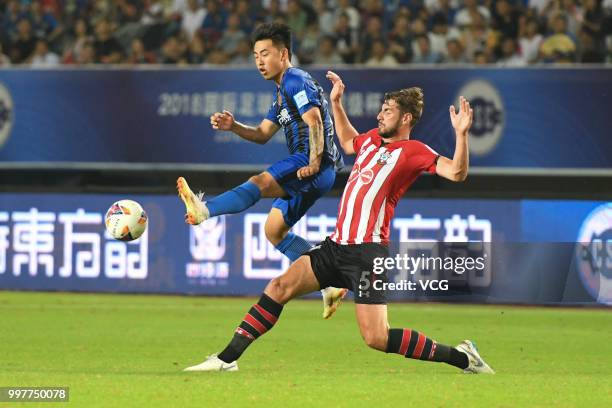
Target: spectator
[[177, 9], [446, 8], [87, 55], [173, 52], [296, 19], [530, 41], [324, 16], [108, 50], [505, 19], [371, 8], [588, 51], [344, 7], [139, 55], [101, 10], [128, 11], [192, 18], [464, 16], [44, 24], [419, 27], [42, 57], [400, 40], [327, 54], [509, 54], [539, 6], [558, 47], [231, 36], [454, 52], [5, 61], [214, 22], [567, 8], [593, 21], [424, 53], [128, 15], [346, 40], [245, 14], [441, 33], [380, 58], [24, 44], [475, 36], [10, 20], [153, 13], [480, 58], [372, 34], [273, 12], [198, 50], [154, 26], [309, 44], [78, 38], [244, 53], [217, 57]]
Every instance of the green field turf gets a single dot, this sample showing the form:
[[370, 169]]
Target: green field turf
[[121, 351]]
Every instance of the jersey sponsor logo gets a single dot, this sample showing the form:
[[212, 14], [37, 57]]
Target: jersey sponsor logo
[[488, 123], [594, 253], [6, 114], [300, 99], [283, 117], [365, 175]]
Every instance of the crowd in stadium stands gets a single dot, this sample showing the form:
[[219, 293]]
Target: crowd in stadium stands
[[377, 33]]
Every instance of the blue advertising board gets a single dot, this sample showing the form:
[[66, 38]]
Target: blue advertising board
[[552, 118], [58, 242]]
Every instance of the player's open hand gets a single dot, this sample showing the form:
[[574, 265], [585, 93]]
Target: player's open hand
[[222, 120], [338, 86], [463, 120], [307, 171]]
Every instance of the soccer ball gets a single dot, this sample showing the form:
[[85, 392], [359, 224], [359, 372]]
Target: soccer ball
[[126, 220]]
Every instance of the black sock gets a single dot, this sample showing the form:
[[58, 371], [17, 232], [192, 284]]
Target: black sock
[[412, 344], [260, 318]]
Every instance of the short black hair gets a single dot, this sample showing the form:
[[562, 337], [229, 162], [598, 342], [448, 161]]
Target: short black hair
[[279, 33]]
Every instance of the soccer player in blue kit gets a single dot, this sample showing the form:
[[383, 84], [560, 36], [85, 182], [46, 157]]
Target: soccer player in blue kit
[[295, 182]]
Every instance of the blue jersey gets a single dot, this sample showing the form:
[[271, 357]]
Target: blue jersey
[[298, 93]]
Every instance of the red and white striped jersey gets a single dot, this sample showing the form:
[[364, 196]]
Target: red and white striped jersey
[[381, 175]]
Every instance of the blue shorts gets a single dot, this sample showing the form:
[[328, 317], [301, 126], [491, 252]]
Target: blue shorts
[[302, 194]]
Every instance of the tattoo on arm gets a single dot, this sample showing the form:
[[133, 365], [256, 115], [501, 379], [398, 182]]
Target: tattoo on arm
[[316, 140]]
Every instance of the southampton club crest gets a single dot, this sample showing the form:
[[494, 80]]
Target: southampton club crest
[[6, 114], [594, 253], [384, 158]]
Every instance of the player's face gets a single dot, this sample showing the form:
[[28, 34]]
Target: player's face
[[269, 59], [389, 119]]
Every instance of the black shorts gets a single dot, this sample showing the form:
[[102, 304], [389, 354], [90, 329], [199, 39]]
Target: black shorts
[[350, 267]]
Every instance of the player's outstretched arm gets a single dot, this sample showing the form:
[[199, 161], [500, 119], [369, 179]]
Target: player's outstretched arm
[[457, 168], [316, 140], [344, 129], [260, 134]]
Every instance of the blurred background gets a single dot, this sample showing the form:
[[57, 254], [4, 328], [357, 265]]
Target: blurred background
[[102, 100], [377, 33]]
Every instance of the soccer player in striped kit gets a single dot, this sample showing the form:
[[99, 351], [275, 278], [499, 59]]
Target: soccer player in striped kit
[[295, 182], [387, 163]]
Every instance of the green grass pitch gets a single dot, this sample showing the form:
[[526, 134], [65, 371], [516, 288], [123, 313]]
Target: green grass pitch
[[123, 351]]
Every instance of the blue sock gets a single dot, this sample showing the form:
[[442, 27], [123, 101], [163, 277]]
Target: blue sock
[[293, 246], [234, 201]]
